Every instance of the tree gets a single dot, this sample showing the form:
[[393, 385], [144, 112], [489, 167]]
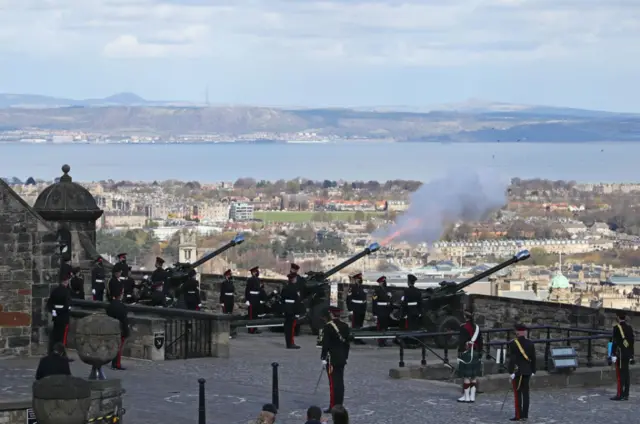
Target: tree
[[359, 216]]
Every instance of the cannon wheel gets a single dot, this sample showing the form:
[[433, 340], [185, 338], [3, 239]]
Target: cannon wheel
[[447, 324]]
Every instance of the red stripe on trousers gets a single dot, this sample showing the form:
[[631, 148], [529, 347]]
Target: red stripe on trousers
[[331, 395], [119, 357], [618, 380], [406, 324], [66, 334], [293, 331], [517, 398], [224, 310]]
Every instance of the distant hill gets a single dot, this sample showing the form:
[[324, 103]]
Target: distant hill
[[474, 121]]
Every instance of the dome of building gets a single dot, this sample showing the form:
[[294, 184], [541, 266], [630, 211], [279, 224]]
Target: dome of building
[[67, 201], [559, 281]]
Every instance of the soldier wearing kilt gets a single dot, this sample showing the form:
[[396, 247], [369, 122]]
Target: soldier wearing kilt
[[469, 357]]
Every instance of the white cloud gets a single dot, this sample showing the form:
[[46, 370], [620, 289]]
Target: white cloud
[[412, 32]]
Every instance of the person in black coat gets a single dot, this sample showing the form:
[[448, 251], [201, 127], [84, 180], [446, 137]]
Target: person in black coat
[[58, 306], [357, 301], [252, 296], [290, 299], [118, 310], [98, 277], [77, 284], [335, 353], [622, 352], [412, 304], [381, 307], [55, 363], [115, 286], [227, 293], [521, 367], [191, 292]]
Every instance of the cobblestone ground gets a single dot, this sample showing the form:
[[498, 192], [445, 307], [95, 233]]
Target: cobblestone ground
[[167, 392]]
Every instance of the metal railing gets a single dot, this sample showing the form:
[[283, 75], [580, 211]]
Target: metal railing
[[422, 339], [187, 338]]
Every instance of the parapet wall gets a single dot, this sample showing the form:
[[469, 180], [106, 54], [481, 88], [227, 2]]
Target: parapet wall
[[502, 312]]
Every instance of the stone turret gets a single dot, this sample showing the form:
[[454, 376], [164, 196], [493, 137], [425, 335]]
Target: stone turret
[[73, 211]]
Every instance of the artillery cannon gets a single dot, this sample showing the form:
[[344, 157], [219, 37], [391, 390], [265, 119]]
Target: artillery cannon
[[442, 307], [180, 272], [315, 290]]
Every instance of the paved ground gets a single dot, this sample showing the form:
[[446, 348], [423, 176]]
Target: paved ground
[[166, 392]]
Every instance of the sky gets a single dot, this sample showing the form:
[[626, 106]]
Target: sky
[[418, 53]]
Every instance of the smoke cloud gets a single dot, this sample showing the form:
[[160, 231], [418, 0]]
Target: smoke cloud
[[458, 196]]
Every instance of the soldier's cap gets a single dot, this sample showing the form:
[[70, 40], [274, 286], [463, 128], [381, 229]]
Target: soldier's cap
[[382, 279], [295, 266], [292, 276], [331, 312], [66, 276], [255, 269], [159, 260], [75, 269], [99, 259], [192, 273], [520, 327], [122, 255], [621, 316], [269, 407], [227, 273], [412, 278], [357, 276]]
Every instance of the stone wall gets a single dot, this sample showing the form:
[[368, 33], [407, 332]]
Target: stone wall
[[14, 412], [502, 312], [28, 271]]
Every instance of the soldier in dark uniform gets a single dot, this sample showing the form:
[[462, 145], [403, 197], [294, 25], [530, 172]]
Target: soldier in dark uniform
[[381, 307], [301, 282], [98, 276], [191, 291], [621, 355], [227, 293], [77, 284], [357, 301], [158, 276], [55, 363], [65, 267], [252, 296], [290, 299], [115, 286], [335, 353], [469, 357], [522, 366], [118, 310], [58, 305], [128, 288], [412, 304], [122, 266]]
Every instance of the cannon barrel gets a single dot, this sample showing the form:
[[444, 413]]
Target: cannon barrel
[[322, 276], [238, 239], [518, 257]]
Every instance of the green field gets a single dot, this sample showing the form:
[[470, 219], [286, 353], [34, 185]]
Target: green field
[[294, 216]]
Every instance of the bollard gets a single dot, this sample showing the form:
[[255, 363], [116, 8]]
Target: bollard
[[401, 344], [275, 396], [202, 417], [423, 361]]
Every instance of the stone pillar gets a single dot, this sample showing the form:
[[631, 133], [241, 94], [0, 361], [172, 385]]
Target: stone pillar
[[61, 399], [220, 332]]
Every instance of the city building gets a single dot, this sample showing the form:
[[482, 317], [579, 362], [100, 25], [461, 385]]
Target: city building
[[241, 212]]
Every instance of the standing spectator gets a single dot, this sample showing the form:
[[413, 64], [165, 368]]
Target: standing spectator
[[314, 415], [267, 415], [339, 415], [55, 363]]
